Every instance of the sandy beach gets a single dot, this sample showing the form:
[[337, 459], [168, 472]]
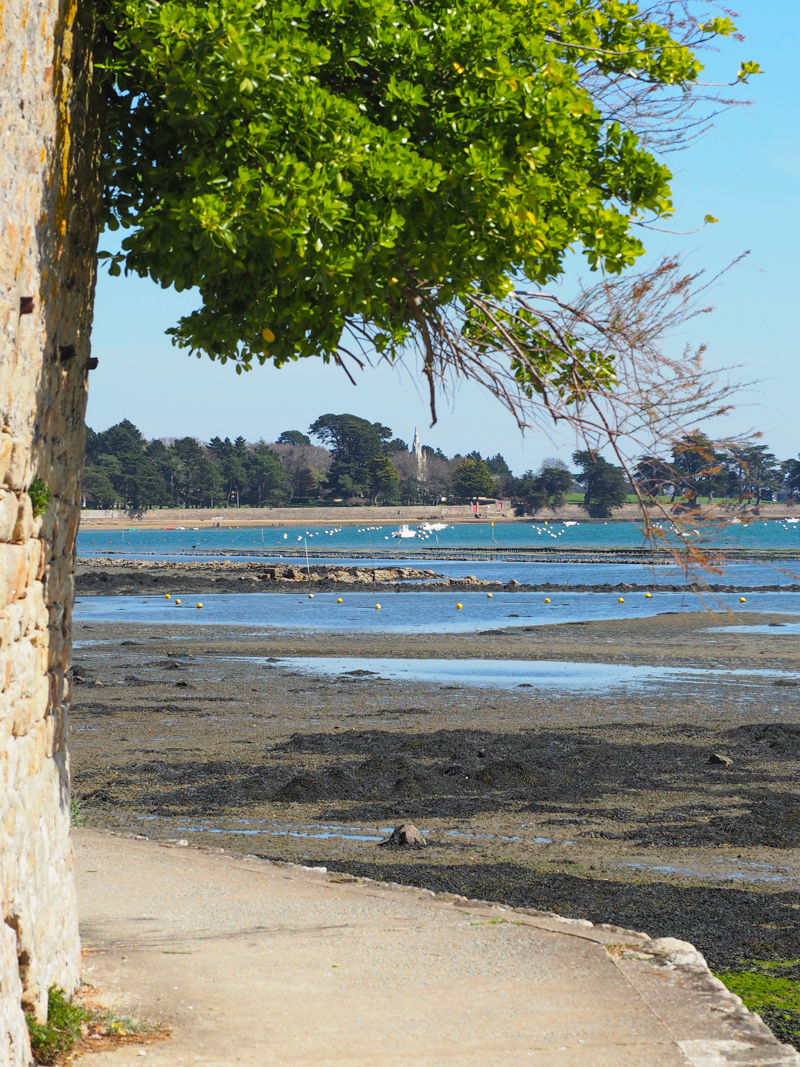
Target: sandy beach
[[205, 518]]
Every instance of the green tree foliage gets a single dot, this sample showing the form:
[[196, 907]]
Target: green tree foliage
[[293, 437], [504, 480], [326, 169], [791, 473], [306, 468], [498, 466], [119, 470], [230, 457], [653, 476], [98, 487], [198, 483], [124, 469], [473, 478], [266, 479], [355, 443], [385, 480], [547, 488], [697, 469], [604, 485], [434, 453], [753, 472]]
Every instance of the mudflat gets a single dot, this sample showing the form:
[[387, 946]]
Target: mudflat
[[670, 806]]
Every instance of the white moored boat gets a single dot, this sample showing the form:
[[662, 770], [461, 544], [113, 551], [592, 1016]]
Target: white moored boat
[[404, 531]]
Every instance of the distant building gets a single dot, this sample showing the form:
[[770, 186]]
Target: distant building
[[419, 455]]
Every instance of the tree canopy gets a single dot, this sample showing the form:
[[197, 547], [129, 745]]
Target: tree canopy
[[547, 488], [473, 478], [604, 484], [357, 445], [368, 168], [293, 437]]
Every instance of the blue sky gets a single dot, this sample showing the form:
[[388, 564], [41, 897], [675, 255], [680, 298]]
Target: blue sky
[[745, 172]]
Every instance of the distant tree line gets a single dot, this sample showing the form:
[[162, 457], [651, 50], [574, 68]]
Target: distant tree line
[[354, 461], [697, 470], [357, 461]]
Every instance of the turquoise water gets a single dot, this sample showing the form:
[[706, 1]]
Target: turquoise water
[[406, 612], [517, 535]]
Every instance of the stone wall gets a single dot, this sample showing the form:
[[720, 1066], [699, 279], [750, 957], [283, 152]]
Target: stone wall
[[48, 235], [385, 516]]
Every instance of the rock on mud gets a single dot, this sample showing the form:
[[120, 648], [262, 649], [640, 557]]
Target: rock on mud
[[718, 760], [406, 835]]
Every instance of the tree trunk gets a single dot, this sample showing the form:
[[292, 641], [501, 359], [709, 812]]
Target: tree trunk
[[49, 208]]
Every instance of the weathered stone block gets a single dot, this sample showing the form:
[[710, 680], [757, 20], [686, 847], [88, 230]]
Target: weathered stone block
[[9, 508], [6, 444], [23, 527], [13, 573]]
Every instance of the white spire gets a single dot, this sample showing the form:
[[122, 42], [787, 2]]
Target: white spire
[[419, 454]]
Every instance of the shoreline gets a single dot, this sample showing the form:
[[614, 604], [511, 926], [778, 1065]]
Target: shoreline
[[453, 514]]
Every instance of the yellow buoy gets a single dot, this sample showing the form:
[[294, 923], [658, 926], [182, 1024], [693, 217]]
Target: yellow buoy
[[459, 607], [339, 600], [177, 601], [199, 604], [620, 599], [310, 596], [166, 596], [647, 596], [377, 607], [489, 595], [547, 600], [492, 524], [742, 600]]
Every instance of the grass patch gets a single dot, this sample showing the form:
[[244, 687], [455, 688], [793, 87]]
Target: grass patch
[[772, 989], [56, 1038], [82, 1025], [76, 816]]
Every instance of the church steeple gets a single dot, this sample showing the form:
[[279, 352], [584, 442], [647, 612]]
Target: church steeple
[[416, 448]]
